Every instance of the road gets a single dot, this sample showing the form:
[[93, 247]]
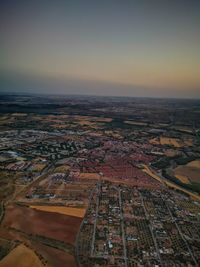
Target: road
[[95, 222], [152, 234], [168, 183], [122, 227]]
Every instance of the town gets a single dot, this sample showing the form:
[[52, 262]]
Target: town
[[100, 183], [138, 227]]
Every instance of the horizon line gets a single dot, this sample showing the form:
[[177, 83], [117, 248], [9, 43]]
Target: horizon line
[[93, 95]]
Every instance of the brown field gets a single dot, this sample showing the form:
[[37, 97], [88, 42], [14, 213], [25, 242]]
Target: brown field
[[136, 123], [154, 141], [92, 176], [7, 234], [63, 168], [55, 257], [77, 212], [176, 142], [113, 134], [43, 182], [21, 256], [189, 142], [171, 141], [91, 118], [191, 171], [184, 179], [31, 221], [38, 167], [194, 163], [86, 123]]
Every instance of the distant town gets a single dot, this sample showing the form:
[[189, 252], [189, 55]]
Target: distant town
[[90, 181]]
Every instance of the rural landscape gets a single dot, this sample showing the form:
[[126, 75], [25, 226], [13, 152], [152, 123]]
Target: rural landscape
[[91, 181], [99, 133]]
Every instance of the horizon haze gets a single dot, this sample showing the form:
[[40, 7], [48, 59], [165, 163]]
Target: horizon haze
[[120, 48]]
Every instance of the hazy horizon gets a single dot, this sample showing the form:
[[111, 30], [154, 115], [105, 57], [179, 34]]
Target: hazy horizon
[[107, 48]]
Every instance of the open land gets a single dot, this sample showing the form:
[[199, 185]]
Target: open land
[[190, 171], [21, 256], [76, 212], [32, 221]]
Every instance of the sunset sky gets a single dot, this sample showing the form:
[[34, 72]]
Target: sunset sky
[[104, 47]]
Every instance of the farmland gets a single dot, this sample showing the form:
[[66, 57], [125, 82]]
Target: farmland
[[76, 212], [174, 142], [32, 221], [190, 171], [21, 256]]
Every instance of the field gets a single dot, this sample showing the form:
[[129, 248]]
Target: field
[[38, 167], [138, 123], [175, 142], [31, 221], [21, 256], [171, 141], [92, 176], [170, 184], [64, 190], [92, 118], [77, 212], [184, 179], [190, 171], [63, 168], [194, 163], [55, 257], [94, 122]]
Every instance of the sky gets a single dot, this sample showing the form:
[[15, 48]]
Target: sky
[[145, 48]]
